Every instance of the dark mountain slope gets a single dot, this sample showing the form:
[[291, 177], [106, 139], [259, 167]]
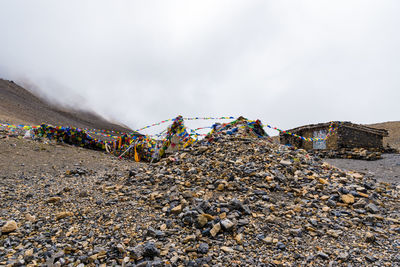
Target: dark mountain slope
[[20, 106]]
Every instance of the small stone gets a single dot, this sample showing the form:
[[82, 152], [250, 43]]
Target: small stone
[[189, 238], [326, 208], [227, 249], [201, 220], [370, 237], [151, 232], [83, 194], [280, 245], [235, 204], [324, 198], [177, 209], [323, 181], [331, 203], [215, 230], [227, 224], [348, 199], [136, 252], [333, 233], [54, 200], [239, 238], [121, 248], [371, 207], [30, 218], [93, 257], [220, 187], [159, 234], [150, 250], [285, 162], [354, 193], [9, 227], [323, 255], [209, 216], [63, 214], [268, 240], [359, 204], [28, 252], [344, 190], [203, 248], [174, 259], [242, 222], [344, 256], [361, 194], [370, 258], [296, 232], [260, 192]]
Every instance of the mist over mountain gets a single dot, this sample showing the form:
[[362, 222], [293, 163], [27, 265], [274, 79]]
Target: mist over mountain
[[286, 63], [20, 106]]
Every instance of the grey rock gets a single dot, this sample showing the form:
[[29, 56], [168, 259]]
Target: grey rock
[[280, 245], [203, 248], [344, 256], [237, 205], [371, 207], [370, 237], [136, 252], [323, 255], [371, 258], [150, 250], [227, 224], [331, 203], [296, 232], [260, 192]]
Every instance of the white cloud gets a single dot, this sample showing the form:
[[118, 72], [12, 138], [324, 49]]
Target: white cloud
[[285, 62]]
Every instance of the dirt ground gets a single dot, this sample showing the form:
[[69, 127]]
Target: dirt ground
[[386, 169], [31, 158]]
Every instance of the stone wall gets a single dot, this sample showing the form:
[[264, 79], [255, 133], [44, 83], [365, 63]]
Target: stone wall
[[286, 139], [344, 137], [353, 138], [331, 142]]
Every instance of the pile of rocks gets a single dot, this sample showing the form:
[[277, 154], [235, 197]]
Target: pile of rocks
[[354, 153], [236, 201]]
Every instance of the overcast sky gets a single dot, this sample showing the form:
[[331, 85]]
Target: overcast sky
[[288, 63]]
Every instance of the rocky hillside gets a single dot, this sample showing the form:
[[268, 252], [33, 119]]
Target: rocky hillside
[[20, 106], [394, 132]]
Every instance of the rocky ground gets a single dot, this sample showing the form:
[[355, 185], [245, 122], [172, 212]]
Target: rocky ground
[[238, 202], [386, 169], [355, 153]]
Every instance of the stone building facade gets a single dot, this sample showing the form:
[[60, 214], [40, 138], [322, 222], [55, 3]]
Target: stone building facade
[[345, 135]]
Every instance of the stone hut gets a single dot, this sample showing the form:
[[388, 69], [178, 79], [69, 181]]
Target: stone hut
[[342, 135]]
